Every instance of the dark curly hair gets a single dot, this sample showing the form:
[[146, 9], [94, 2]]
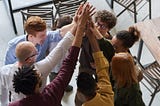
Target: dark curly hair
[[129, 37], [86, 84], [25, 80], [107, 17]]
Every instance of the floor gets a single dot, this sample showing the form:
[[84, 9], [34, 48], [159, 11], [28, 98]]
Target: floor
[[124, 21]]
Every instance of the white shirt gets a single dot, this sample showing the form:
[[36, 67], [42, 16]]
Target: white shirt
[[44, 66]]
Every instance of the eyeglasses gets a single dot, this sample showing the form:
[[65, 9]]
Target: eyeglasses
[[102, 26], [31, 56]]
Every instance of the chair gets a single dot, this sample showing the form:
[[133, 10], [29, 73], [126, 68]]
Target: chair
[[46, 13], [132, 5], [23, 6], [66, 7], [151, 74]]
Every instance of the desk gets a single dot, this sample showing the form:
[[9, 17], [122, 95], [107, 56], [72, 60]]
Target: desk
[[149, 32]]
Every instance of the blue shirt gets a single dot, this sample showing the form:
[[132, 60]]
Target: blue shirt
[[52, 36]]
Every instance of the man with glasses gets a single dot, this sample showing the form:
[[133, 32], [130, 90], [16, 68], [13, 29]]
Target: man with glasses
[[104, 22], [36, 35], [52, 94]]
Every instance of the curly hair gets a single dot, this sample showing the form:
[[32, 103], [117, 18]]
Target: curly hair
[[25, 80], [34, 24], [86, 84], [107, 17]]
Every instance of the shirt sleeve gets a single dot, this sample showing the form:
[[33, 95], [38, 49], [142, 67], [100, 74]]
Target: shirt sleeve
[[10, 57], [104, 85], [57, 86], [107, 48], [47, 64], [4, 85]]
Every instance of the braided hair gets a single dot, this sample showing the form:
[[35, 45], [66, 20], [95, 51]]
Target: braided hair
[[25, 80]]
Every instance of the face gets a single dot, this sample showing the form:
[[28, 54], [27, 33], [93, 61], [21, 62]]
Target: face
[[39, 38], [102, 27], [117, 44]]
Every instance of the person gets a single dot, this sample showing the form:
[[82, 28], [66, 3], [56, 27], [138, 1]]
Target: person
[[104, 22], [38, 35], [26, 53], [52, 93], [124, 40], [60, 22], [89, 91], [127, 90], [43, 66]]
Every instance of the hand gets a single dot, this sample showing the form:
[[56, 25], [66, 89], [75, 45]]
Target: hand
[[85, 12], [95, 31]]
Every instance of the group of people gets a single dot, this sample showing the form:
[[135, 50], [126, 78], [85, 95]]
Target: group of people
[[107, 74]]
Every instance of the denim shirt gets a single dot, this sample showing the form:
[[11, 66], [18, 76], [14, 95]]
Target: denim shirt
[[52, 36]]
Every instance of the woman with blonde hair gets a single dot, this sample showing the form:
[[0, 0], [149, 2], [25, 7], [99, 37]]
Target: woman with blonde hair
[[127, 90]]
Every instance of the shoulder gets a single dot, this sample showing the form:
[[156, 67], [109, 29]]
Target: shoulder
[[7, 70], [16, 40], [54, 35]]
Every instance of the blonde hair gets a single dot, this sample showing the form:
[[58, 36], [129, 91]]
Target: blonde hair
[[34, 24], [123, 70], [23, 50]]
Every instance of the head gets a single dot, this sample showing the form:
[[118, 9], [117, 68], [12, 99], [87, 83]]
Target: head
[[26, 53], [86, 86], [36, 29], [123, 69], [105, 21], [124, 40], [27, 81], [62, 21]]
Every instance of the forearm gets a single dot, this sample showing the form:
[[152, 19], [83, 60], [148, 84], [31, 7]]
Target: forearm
[[78, 36], [102, 67], [107, 48], [65, 29], [47, 64], [94, 44]]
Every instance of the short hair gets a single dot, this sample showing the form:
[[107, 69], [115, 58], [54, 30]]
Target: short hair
[[34, 24], [107, 17], [23, 50], [62, 21], [86, 84], [129, 37], [123, 70], [25, 80]]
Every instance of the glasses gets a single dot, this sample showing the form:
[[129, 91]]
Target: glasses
[[31, 56], [102, 26]]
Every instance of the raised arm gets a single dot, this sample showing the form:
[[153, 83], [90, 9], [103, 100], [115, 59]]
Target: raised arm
[[102, 67], [62, 79]]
